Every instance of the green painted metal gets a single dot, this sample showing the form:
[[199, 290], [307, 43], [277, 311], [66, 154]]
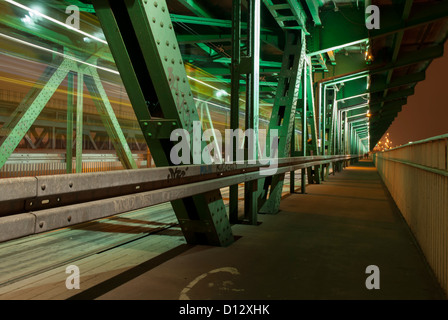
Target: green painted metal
[[296, 13], [210, 22], [110, 122], [157, 85], [313, 6], [79, 121], [252, 107], [70, 107], [283, 112], [33, 108], [196, 8], [311, 114], [234, 98], [340, 32]]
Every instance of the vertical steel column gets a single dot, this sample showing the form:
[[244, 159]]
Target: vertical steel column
[[324, 135], [293, 138], [283, 113], [304, 127], [69, 136], [79, 121], [235, 98], [313, 174], [252, 106]]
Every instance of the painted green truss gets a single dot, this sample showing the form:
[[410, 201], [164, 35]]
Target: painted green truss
[[142, 40]]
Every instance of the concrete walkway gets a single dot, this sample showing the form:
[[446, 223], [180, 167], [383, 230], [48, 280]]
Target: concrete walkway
[[317, 247]]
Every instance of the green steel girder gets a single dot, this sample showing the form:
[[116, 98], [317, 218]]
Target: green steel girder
[[196, 8], [338, 32], [346, 32], [32, 109], [29, 109], [313, 6], [106, 112], [354, 88], [142, 40], [250, 67], [27, 100], [265, 37], [86, 7], [363, 105], [235, 98], [210, 22], [282, 118]]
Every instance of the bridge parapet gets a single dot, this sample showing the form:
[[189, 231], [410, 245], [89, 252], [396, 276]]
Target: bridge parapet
[[416, 176]]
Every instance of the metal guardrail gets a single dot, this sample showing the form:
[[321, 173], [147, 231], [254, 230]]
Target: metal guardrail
[[38, 204], [416, 175]]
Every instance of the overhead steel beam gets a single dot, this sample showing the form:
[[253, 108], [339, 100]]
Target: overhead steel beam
[[252, 106], [235, 99], [345, 33], [297, 13], [79, 121], [208, 22], [195, 7], [107, 114], [69, 135]]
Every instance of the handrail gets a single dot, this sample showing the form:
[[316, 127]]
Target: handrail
[[418, 166], [443, 136], [39, 204]]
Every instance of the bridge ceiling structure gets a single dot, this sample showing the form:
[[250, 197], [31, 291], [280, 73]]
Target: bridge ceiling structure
[[389, 61]]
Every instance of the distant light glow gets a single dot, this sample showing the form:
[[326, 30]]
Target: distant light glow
[[57, 53], [37, 13], [221, 93]]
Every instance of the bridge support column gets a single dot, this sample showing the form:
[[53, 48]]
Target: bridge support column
[[142, 40]]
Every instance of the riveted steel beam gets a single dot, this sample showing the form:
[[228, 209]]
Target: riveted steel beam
[[142, 40], [282, 118]]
